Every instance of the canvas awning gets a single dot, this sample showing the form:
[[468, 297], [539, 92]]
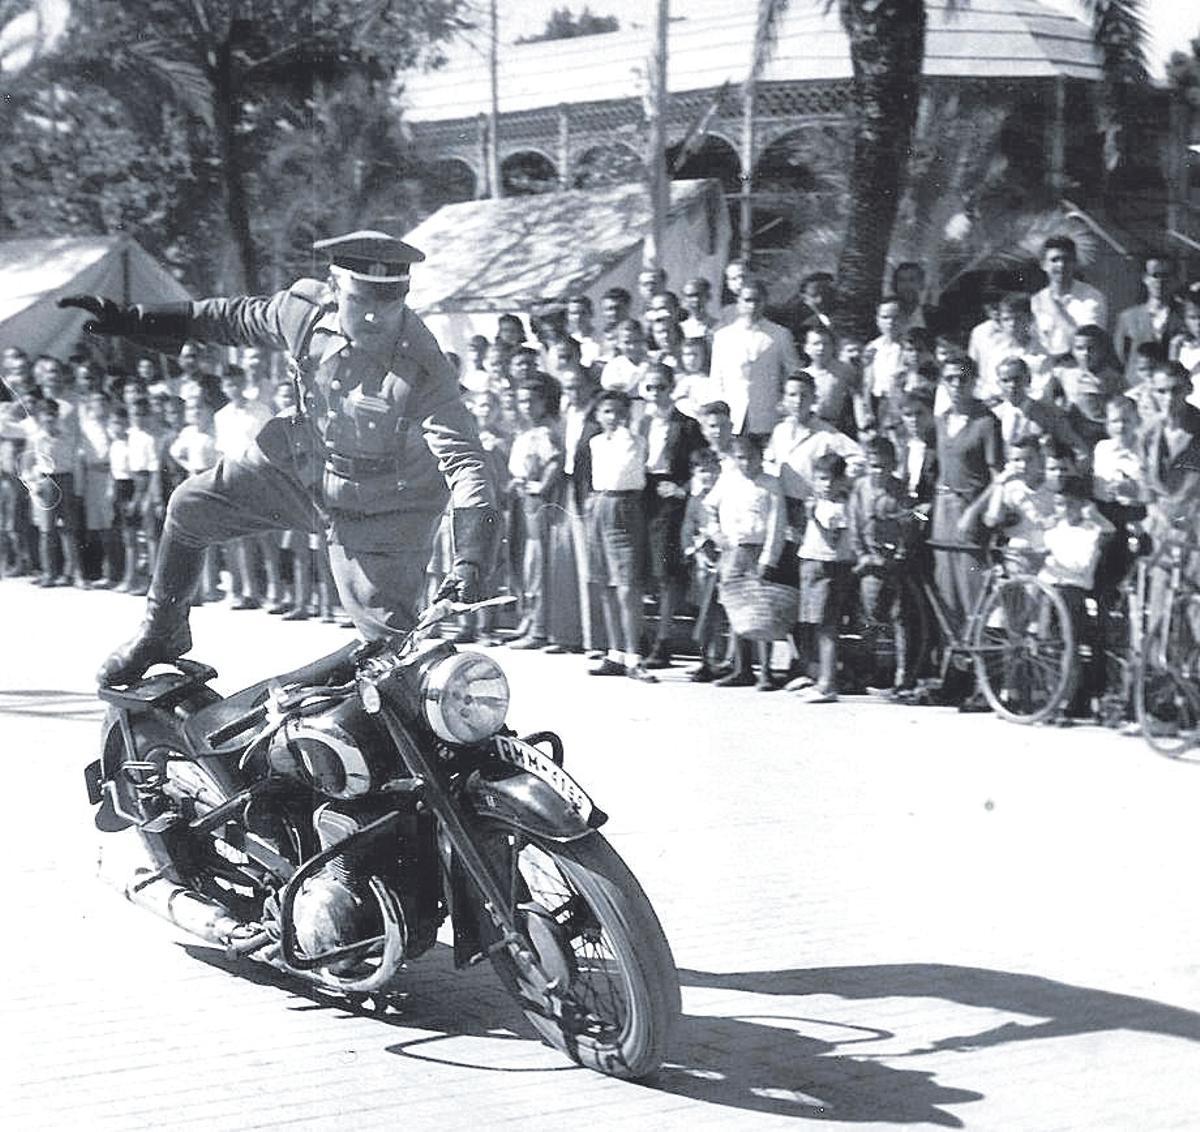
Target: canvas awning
[[35, 273]]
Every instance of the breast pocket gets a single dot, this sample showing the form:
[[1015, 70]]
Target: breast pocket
[[377, 427]]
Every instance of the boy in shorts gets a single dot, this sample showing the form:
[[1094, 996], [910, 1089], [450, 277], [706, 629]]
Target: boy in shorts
[[826, 558]]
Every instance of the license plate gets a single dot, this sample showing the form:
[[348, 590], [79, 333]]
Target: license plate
[[529, 758]]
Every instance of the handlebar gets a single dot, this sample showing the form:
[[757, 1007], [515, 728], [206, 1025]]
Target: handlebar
[[398, 646]]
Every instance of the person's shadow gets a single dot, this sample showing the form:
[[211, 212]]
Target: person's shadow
[[759, 1062], [730, 1060]]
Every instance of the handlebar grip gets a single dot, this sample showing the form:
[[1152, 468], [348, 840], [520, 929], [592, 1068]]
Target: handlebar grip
[[237, 726]]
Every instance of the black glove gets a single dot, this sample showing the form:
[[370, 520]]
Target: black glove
[[107, 317], [165, 325], [461, 584]]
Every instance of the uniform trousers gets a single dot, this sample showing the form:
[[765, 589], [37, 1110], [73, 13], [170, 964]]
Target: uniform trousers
[[378, 561]]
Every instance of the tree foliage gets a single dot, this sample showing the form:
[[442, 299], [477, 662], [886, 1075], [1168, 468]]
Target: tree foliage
[[1183, 73], [564, 24], [201, 93]]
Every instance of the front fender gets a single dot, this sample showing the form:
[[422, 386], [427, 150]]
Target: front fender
[[516, 798]]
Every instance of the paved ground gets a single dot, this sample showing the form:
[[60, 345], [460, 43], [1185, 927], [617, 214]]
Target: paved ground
[[882, 916]]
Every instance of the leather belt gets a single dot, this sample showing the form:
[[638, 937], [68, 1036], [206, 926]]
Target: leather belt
[[359, 467]]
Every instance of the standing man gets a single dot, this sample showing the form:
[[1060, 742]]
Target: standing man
[[380, 439], [256, 365], [1065, 303], [1154, 321], [579, 327], [699, 322], [751, 357]]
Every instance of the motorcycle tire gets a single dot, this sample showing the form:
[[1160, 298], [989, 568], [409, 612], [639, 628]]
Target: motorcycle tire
[[622, 1027]]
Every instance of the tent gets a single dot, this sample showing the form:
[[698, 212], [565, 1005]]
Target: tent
[[522, 254], [34, 273]]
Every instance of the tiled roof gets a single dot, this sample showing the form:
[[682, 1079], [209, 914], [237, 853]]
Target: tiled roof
[[712, 43], [537, 247]]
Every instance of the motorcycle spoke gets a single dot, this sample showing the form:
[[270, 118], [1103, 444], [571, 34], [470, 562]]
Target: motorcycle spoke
[[597, 989]]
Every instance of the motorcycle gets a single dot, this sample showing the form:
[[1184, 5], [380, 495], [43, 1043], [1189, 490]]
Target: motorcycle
[[328, 821]]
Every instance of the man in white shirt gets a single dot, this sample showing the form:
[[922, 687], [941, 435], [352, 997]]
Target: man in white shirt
[[617, 535], [751, 358], [624, 372], [802, 437], [235, 427], [256, 365], [1065, 303]]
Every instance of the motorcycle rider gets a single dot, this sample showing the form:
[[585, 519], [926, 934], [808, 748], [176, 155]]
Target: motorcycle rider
[[367, 373]]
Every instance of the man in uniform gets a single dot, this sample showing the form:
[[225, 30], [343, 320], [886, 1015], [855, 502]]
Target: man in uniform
[[378, 442]]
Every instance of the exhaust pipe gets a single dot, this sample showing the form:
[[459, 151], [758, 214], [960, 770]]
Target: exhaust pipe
[[188, 910]]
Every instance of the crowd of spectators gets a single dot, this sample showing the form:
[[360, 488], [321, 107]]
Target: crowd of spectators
[[698, 459], [89, 457]]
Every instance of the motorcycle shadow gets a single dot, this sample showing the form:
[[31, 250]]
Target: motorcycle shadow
[[433, 998]]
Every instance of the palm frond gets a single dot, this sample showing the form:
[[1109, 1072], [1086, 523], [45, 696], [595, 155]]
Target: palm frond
[[766, 35], [187, 82], [1119, 31]]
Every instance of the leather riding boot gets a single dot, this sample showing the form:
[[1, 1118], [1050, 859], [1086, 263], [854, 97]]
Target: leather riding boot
[[164, 634]]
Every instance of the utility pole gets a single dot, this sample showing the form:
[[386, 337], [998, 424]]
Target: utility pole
[[656, 141], [497, 190], [746, 203]]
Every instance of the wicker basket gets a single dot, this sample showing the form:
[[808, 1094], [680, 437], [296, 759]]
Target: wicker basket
[[758, 610]]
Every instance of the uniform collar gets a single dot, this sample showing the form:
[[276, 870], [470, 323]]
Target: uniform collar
[[336, 341]]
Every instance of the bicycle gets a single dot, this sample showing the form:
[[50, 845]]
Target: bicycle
[[1017, 635], [1166, 676]]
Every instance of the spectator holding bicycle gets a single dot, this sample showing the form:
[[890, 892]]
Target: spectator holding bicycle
[[1020, 505], [1171, 456], [969, 452], [1021, 415]]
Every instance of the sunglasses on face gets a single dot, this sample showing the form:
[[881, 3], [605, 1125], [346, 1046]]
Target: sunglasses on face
[[654, 388]]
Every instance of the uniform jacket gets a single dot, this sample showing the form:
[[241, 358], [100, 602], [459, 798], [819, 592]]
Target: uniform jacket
[[394, 409]]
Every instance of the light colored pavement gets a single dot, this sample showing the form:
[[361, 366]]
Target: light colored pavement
[[882, 916]]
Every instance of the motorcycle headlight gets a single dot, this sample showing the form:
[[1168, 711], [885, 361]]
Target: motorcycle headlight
[[465, 698]]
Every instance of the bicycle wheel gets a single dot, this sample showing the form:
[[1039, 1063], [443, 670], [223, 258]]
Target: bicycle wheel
[[1166, 691], [1024, 650]]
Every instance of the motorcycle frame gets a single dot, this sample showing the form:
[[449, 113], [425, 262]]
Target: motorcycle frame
[[549, 815]]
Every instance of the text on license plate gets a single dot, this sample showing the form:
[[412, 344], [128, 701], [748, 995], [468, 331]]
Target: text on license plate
[[529, 758]]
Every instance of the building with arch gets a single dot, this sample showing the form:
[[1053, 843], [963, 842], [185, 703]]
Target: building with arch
[[563, 101]]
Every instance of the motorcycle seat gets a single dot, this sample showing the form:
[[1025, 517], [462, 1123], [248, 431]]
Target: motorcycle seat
[[335, 668]]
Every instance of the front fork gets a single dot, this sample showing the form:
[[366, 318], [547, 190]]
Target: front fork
[[495, 894]]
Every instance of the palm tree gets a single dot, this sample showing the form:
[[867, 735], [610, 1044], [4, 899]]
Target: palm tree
[[887, 52]]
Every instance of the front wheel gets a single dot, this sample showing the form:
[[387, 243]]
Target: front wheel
[[1166, 683], [589, 923], [1024, 650]]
